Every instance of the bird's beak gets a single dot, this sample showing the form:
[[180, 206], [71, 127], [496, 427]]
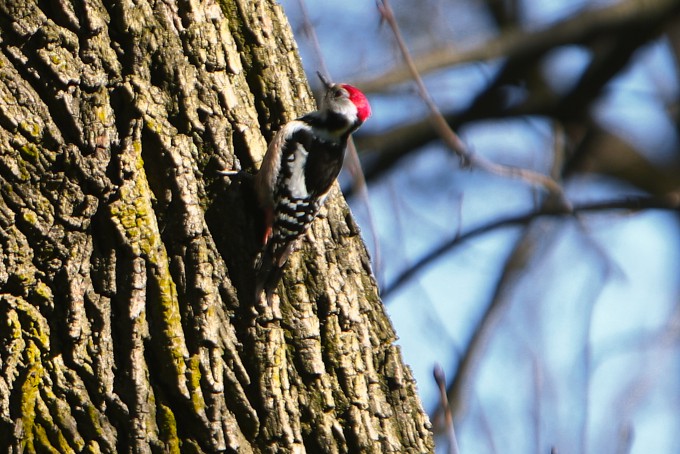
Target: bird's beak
[[326, 83]]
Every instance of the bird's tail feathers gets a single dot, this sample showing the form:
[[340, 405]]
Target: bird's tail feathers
[[267, 275]]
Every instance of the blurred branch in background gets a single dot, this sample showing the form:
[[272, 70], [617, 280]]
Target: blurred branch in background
[[611, 34], [587, 28], [631, 204], [447, 134]]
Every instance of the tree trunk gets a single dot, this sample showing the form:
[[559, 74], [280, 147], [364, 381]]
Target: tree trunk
[[128, 321]]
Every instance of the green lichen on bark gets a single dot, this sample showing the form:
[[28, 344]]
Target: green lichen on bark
[[135, 220], [167, 425], [30, 389], [24, 349]]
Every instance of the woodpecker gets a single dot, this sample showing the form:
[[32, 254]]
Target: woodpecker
[[297, 172]]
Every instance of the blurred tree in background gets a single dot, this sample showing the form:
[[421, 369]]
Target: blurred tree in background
[[554, 312]]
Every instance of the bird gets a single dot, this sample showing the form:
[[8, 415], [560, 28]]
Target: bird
[[298, 170]]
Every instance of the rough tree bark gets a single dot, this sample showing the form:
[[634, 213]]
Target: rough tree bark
[[126, 317]]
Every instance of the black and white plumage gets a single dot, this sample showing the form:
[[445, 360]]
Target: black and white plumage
[[301, 164]]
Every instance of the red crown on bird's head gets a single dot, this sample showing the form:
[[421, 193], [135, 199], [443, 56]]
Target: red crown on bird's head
[[359, 100]]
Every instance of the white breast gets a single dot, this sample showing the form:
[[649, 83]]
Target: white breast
[[297, 161]]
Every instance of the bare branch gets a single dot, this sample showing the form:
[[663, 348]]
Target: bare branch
[[611, 52], [669, 202], [449, 137]]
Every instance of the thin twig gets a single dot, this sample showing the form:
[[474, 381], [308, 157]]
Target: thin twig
[[450, 138], [360, 186], [310, 31], [440, 379]]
